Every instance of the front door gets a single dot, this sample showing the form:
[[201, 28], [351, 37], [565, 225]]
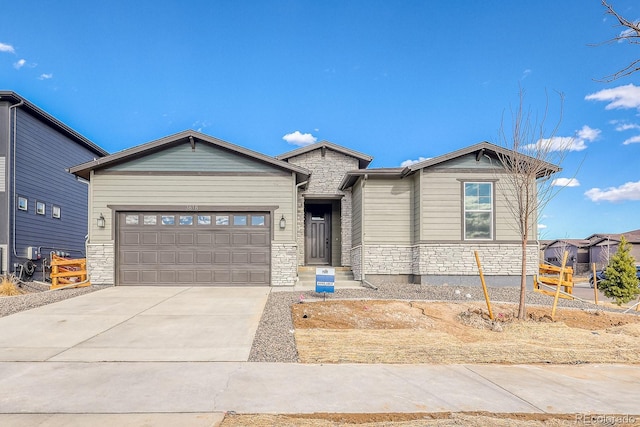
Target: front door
[[318, 234]]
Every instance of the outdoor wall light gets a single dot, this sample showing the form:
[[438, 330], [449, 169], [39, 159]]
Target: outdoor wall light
[[101, 221], [283, 223]]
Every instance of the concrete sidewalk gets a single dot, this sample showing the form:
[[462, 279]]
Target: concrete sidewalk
[[200, 390]]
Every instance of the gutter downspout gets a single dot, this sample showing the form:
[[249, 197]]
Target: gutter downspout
[[296, 225], [11, 204], [363, 276]]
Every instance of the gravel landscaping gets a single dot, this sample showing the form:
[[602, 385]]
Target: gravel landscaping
[[38, 294]]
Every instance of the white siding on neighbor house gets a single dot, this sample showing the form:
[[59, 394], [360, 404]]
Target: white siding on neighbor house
[[442, 214], [388, 211], [191, 192]]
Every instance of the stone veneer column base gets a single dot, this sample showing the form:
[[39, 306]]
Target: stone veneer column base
[[101, 263], [283, 264]]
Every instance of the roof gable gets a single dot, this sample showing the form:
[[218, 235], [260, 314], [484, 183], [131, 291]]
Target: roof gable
[[20, 102], [483, 155], [213, 155], [363, 159]]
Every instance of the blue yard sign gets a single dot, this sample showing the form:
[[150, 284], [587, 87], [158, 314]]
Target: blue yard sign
[[325, 279]]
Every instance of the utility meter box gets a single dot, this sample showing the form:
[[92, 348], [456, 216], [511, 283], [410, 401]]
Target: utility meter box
[[33, 253]]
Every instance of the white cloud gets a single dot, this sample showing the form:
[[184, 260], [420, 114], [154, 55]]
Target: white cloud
[[298, 138], [620, 127], [627, 191], [19, 64], [413, 162], [567, 143], [632, 140], [588, 133], [7, 48], [45, 76], [541, 226], [623, 97], [558, 143], [566, 182], [525, 74]]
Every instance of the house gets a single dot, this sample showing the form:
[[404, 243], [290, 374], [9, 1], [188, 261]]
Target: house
[[195, 210], [603, 246], [578, 253], [44, 208]]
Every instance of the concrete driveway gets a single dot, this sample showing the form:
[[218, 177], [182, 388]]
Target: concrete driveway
[[139, 323]]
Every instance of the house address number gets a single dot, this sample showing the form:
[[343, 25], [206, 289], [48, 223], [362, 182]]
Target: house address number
[[192, 208]]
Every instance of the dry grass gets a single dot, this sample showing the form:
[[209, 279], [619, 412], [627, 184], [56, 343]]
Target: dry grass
[[442, 419], [8, 286], [445, 333]]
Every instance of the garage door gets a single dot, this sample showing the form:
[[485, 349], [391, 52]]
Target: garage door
[[203, 248]]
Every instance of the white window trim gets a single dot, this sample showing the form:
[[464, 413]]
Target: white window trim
[[491, 212], [26, 203]]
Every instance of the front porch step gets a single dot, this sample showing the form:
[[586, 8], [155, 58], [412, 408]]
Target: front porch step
[[308, 274]]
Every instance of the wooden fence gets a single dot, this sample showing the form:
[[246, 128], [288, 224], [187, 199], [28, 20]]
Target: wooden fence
[[549, 276], [68, 273]]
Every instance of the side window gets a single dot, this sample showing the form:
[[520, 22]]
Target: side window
[[478, 210]]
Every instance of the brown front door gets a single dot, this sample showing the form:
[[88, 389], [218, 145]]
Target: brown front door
[[318, 234]]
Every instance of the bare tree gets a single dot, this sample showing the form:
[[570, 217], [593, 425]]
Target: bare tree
[[630, 34], [531, 157]]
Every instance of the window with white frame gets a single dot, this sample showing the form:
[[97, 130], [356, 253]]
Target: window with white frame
[[23, 203], [478, 210]]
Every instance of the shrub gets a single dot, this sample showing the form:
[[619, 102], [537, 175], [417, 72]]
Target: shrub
[[8, 285], [620, 282]]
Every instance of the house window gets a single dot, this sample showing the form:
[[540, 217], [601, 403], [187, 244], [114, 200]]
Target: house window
[[55, 211], [478, 210], [40, 208], [23, 203]]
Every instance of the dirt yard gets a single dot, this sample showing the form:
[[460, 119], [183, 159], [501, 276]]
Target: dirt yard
[[348, 331], [445, 419]]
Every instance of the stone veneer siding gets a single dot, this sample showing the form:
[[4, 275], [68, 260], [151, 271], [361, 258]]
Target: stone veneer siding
[[101, 263], [443, 259], [497, 259], [326, 174], [283, 264]]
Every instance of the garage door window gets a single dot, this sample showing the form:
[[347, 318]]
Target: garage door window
[[239, 220], [168, 220], [222, 219], [257, 220], [131, 219], [186, 220], [204, 219], [150, 220]]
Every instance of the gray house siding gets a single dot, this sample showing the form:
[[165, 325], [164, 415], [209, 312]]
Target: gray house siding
[[42, 158], [202, 158], [4, 190], [356, 215], [388, 204], [36, 171]]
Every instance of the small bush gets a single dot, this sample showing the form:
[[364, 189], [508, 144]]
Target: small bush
[[8, 285], [620, 282]]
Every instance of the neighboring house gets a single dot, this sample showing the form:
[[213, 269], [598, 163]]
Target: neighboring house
[[604, 246], [578, 253], [44, 208], [195, 210]]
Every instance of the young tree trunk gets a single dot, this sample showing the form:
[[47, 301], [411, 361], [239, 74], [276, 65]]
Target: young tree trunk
[[522, 309]]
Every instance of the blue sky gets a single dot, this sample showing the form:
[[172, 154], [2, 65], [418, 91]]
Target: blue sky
[[398, 80]]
